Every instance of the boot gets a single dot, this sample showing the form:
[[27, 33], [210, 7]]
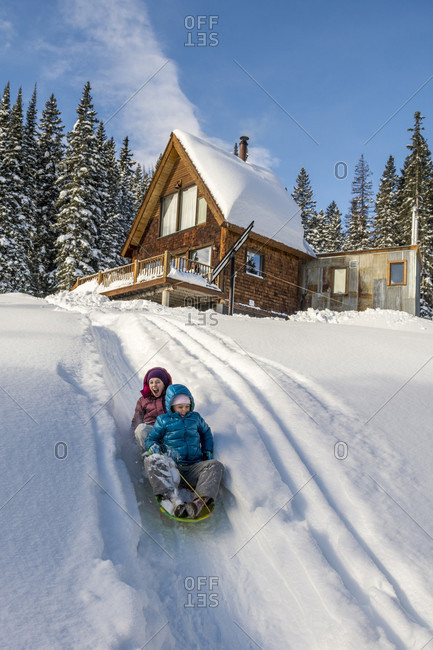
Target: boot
[[180, 510], [194, 508]]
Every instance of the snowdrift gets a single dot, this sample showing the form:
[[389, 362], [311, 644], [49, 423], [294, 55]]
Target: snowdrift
[[323, 533]]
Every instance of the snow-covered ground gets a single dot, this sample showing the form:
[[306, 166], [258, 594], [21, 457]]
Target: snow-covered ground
[[323, 535]]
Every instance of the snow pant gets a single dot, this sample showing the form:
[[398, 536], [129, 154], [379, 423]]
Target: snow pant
[[165, 477], [141, 432]]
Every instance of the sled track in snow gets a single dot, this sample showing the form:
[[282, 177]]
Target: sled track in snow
[[182, 548], [307, 404], [383, 608]]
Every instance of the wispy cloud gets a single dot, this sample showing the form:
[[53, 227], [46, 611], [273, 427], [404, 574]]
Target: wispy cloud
[[115, 48], [135, 86], [6, 33]]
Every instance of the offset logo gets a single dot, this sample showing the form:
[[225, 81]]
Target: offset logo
[[201, 591], [200, 31]]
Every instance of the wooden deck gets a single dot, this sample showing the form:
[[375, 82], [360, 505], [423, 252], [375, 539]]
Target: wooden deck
[[166, 278]]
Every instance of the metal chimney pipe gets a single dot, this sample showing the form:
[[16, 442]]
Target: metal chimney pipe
[[243, 148], [414, 236]]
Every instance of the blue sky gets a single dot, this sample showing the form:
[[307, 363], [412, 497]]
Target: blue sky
[[312, 84]]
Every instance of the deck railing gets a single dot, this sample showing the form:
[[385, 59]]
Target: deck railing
[[185, 265], [151, 268]]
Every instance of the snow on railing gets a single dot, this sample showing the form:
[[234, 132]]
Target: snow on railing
[[151, 268], [186, 265], [123, 274], [84, 279]]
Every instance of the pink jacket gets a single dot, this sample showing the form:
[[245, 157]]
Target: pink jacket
[[148, 409]]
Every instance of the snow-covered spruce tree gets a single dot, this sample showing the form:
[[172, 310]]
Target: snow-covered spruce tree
[[31, 166], [386, 231], [79, 203], [140, 183], [127, 198], [416, 189], [315, 232], [50, 153], [15, 239], [332, 232], [303, 195], [5, 184], [111, 225], [358, 220]]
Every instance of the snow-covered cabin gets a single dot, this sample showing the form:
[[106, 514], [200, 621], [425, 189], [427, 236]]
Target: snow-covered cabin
[[200, 200]]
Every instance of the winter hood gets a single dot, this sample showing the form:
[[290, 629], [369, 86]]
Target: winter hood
[[172, 391]]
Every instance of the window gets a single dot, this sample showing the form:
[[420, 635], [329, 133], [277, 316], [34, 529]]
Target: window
[[339, 281], [254, 264], [201, 255], [201, 210], [168, 214], [188, 203], [182, 210], [396, 273]]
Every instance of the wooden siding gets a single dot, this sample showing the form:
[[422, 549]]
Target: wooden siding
[[276, 292], [205, 234], [367, 282]]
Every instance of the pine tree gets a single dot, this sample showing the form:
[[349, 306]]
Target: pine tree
[[5, 185], [5, 114], [112, 229], [315, 232], [332, 232], [15, 239], [30, 173], [79, 203], [140, 183], [416, 190], [127, 198], [303, 195], [50, 153], [386, 219], [358, 232]]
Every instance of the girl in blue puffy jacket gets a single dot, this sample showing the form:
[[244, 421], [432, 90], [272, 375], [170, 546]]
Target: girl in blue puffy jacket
[[181, 438]]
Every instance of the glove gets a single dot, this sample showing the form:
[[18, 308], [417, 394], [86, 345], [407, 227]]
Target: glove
[[207, 455], [154, 449]]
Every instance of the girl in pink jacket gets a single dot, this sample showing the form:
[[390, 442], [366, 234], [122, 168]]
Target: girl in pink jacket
[[151, 403]]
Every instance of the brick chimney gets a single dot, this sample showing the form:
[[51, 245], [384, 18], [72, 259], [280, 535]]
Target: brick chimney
[[243, 148]]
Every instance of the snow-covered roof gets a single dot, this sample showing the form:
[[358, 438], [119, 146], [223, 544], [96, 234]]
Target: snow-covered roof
[[245, 192]]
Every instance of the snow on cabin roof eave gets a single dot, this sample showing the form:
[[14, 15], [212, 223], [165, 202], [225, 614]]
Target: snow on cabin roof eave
[[246, 192]]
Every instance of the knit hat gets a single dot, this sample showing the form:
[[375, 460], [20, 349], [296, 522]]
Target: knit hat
[[159, 373], [180, 399]]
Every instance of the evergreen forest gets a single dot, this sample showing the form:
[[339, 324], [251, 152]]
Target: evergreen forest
[[67, 200], [380, 221]]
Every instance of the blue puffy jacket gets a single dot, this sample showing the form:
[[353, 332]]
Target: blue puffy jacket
[[186, 438]]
